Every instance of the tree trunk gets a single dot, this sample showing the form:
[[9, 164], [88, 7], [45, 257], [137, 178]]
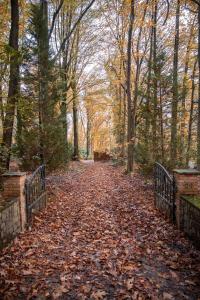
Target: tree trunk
[[198, 120], [1, 101], [65, 29], [13, 89], [155, 84], [148, 100], [131, 113], [184, 95], [175, 92], [191, 115], [75, 122], [161, 125], [88, 134], [124, 124], [44, 107]]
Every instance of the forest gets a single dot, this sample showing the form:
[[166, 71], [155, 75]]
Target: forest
[[100, 149], [119, 76]]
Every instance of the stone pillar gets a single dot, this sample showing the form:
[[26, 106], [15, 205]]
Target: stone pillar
[[187, 183], [13, 187]]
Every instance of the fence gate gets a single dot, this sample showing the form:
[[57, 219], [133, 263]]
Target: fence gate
[[35, 192], [165, 190]]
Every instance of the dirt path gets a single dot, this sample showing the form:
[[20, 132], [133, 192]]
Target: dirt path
[[100, 238]]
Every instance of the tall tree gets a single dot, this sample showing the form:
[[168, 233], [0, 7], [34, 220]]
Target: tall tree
[[184, 95], [74, 82], [43, 66], [191, 115], [175, 90], [198, 120], [131, 108], [148, 101], [155, 82], [13, 90]]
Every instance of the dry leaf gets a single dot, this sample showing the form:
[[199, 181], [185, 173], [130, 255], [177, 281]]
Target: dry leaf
[[129, 283], [167, 296], [99, 295]]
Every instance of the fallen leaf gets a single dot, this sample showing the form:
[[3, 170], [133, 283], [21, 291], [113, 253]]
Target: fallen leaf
[[167, 296], [99, 295], [129, 283]]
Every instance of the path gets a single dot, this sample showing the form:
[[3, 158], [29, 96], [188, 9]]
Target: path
[[100, 238]]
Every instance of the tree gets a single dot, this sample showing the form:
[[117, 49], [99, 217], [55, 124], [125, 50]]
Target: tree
[[131, 109], [13, 90], [198, 120], [175, 90]]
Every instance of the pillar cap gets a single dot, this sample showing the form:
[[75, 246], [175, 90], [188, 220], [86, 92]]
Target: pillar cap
[[187, 171]]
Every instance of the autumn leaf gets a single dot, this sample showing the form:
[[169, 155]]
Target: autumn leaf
[[99, 295], [129, 283]]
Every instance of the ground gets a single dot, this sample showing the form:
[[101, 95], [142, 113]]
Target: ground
[[100, 238]]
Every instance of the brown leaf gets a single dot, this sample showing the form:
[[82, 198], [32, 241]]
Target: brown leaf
[[99, 295], [129, 283], [27, 272], [59, 292], [167, 296]]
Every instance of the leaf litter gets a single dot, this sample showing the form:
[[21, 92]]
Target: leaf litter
[[100, 238]]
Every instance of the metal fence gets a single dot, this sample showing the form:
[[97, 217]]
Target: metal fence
[[165, 190], [35, 192]]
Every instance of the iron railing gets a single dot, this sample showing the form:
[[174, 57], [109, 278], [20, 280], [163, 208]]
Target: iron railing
[[35, 192], [165, 190]]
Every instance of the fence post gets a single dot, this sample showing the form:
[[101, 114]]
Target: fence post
[[13, 187]]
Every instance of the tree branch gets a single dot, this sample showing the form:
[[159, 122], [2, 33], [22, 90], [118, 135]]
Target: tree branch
[[54, 18], [167, 12], [196, 1], [73, 28]]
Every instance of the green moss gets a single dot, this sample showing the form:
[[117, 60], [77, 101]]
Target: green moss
[[187, 171], [195, 200]]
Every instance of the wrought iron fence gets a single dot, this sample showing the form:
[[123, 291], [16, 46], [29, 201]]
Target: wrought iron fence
[[35, 192], [165, 190]]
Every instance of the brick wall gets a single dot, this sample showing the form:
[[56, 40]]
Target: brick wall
[[187, 183], [13, 187], [10, 224]]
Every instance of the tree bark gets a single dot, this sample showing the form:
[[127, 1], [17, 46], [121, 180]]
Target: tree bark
[[13, 90], [175, 91], [131, 113], [147, 107], [198, 120], [161, 124], [75, 122], [45, 109], [88, 134], [1, 101], [184, 95], [191, 115], [155, 84]]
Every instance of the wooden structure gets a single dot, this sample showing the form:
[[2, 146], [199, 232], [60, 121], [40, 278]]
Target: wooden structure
[[101, 156]]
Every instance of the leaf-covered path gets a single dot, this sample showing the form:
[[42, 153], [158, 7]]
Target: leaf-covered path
[[100, 238]]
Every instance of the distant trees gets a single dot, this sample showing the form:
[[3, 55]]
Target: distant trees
[[166, 115], [34, 113], [136, 62]]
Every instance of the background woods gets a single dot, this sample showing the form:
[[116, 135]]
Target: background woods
[[82, 76]]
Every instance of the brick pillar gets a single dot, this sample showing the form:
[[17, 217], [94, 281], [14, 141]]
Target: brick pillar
[[13, 187], [187, 183]]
